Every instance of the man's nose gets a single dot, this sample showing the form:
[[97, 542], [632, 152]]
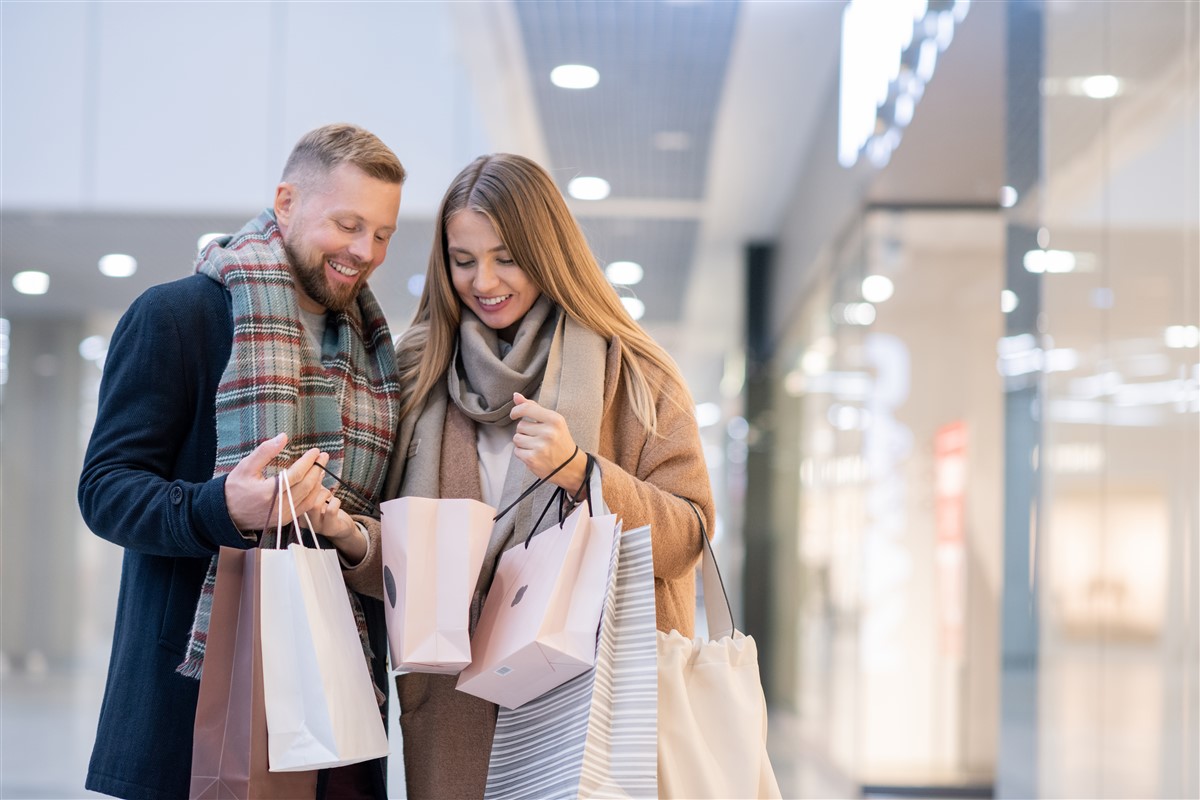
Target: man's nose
[[362, 248]]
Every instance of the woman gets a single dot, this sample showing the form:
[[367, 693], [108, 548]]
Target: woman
[[521, 358]]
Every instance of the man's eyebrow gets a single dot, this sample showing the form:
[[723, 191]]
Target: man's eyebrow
[[360, 218]]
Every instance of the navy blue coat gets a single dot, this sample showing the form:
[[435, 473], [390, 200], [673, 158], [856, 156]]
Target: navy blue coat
[[147, 486]]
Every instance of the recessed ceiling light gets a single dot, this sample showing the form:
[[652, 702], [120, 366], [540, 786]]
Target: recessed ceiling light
[[624, 273], [1009, 301], [635, 307], [673, 141], [1039, 261], [877, 288], [1100, 87], [574, 76], [93, 348], [588, 188], [31, 282], [203, 241], [1008, 197], [118, 265]]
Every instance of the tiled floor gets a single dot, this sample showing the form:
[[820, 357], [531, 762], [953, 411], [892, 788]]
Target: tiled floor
[[47, 724]]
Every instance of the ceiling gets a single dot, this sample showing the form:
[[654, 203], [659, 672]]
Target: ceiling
[[136, 128]]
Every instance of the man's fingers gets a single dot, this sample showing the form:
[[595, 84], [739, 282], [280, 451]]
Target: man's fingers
[[261, 456]]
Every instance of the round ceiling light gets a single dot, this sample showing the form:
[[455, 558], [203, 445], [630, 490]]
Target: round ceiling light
[[31, 282], [624, 273], [118, 265], [588, 188], [574, 76]]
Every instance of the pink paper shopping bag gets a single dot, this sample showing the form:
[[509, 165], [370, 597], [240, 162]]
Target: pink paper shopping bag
[[432, 553], [539, 622]]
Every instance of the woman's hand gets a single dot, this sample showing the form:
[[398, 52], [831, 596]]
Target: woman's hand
[[542, 442], [329, 520]]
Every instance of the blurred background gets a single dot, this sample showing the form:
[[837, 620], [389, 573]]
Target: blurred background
[[930, 267]]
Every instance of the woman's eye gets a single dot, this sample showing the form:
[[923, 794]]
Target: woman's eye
[[458, 263], [508, 262]]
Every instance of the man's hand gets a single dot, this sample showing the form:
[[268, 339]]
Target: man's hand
[[249, 494]]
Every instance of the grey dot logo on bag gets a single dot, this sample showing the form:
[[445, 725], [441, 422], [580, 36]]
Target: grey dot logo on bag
[[519, 595], [389, 583], [502, 671]]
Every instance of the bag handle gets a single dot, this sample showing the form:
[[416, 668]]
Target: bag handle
[[283, 481], [371, 504], [560, 495], [719, 616]]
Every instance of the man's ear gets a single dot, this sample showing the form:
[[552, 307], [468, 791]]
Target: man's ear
[[286, 198]]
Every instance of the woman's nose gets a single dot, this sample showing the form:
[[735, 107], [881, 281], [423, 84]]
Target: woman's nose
[[485, 278]]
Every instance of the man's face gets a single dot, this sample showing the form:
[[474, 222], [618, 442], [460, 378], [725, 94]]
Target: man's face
[[336, 230]]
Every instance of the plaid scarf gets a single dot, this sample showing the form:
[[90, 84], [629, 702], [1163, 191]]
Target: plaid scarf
[[275, 383]]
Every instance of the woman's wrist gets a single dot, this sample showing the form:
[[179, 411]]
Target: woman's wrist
[[352, 540], [572, 476]]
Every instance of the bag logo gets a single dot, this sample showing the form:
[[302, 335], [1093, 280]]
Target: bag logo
[[502, 671], [389, 583], [519, 595]]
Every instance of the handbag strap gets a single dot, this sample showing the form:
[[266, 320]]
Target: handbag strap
[[718, 612], [286, 483]]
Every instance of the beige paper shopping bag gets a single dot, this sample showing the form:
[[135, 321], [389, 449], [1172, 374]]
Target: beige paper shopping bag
[[432, 553], [538, 625]]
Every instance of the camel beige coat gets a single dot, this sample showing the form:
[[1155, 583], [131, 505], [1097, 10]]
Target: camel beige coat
[[448, 734]]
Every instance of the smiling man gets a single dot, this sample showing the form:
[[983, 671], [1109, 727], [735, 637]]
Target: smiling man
[[273, 355]]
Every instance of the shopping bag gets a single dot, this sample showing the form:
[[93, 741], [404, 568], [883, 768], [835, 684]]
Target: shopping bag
[[229, 741], [320, 700], [537, 628], [712, 716], [432, 553], [594, 735]]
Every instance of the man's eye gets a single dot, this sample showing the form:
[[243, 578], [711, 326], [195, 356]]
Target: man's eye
[[347, 228]]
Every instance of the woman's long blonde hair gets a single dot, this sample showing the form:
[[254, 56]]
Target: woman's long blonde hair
[[532, 219]]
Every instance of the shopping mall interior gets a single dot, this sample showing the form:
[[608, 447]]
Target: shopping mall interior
[[931, 269]]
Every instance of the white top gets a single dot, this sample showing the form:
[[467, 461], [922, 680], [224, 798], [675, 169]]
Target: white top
[[494, 444]]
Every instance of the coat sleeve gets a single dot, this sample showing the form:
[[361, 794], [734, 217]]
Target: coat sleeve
[[645, 487], [367, 576], [147, 414]]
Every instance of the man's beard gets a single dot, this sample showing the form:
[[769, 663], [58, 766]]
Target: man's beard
[[311, 276]]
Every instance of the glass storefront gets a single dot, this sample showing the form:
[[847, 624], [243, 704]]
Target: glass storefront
[[889, 374], [1117, 226], [986, 431]]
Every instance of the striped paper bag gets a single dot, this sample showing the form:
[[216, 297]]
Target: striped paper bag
[[595, 735]]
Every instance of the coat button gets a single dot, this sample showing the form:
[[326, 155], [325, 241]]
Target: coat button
[[176, 494]]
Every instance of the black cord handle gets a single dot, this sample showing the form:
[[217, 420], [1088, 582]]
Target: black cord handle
[[371, 504], [536, 484]]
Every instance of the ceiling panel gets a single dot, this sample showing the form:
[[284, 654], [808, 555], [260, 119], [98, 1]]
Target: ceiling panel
[[662, 66]]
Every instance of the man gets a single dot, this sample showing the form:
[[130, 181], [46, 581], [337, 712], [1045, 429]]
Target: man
[[274, 353]]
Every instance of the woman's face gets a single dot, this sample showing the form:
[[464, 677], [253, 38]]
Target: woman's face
[[485, 277]]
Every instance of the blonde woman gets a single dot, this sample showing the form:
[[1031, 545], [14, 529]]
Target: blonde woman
[[521, 358]]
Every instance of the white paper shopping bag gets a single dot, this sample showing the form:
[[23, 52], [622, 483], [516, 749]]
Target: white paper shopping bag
[[432, 553], [317, 688], [539, 622]]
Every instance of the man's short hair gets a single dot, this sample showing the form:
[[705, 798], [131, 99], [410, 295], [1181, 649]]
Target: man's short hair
[[327, 147]]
